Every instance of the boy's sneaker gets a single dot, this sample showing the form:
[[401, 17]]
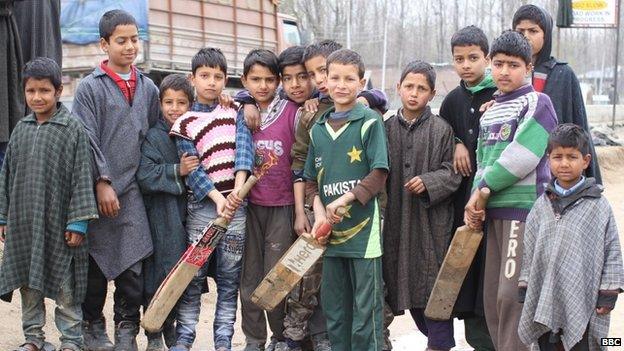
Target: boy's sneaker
[[278, 346], [155, 342], [320, 342], [125, 336], [254, 347], [179, 347], [293, 345], [95, 337]]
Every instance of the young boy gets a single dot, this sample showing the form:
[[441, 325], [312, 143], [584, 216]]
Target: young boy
[[419, 214], [160, 176], [347, 166], [572, 264], [117, 105], [551, 76], [511, 162], [46, 201], [270, 208], [210, 132], [460, 108]]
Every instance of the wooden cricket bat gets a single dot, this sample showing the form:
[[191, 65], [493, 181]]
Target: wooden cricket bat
[[291, 268], [183, 272], [453, 271]]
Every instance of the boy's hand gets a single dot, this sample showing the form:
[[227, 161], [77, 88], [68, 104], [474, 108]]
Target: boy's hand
[[73, 239], [603, 310], [318, 221], [461, 160], [233, 200], [311, 105], [108, 203], [252, 117], [416, 185], [486, 106], [221, 204], [188, 164], [331, 210], [472, 216], [302, 225], [362, 101], [226, 100], [2, 233]]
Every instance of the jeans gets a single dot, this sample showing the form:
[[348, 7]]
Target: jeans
[[226, 263], [67, 316]]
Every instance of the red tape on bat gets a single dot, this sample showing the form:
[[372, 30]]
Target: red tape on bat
[[323, 231]]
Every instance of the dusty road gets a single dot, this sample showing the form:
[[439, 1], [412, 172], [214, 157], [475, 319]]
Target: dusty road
[[403, 331]]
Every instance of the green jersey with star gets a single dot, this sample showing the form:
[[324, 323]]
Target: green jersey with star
[[338, 161]]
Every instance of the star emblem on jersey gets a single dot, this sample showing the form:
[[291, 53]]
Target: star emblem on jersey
[[354, 154]]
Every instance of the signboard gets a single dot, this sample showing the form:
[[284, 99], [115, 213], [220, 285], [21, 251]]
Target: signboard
[[594, 13]]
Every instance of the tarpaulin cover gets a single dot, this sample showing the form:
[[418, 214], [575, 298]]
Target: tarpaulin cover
[[80, 18]]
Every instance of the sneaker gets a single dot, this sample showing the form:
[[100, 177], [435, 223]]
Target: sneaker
[[254, 347], [125, 336], [179, 347], [155, 342], [320, 342], [95, 337]]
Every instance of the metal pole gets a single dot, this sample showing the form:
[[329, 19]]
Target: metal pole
[[615, 69], [349, 25], [385, 46]]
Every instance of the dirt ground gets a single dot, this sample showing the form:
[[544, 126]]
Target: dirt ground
[[404, 334]]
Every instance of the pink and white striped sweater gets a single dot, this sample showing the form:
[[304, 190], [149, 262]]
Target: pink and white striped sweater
[[214, 136]]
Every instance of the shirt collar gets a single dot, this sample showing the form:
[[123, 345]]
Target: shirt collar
[[565, 192], [61, 116], [357, 112]]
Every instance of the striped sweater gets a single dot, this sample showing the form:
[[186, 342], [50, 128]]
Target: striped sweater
[[214, 136], [511, 151]]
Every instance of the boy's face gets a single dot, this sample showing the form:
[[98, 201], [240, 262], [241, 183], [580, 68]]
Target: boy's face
[[261, 84], [122, 47], [41, 97], [343, 83], [567, 164], [208, 83], [174, 104], [470, 63], [296, 83], [533, 33], [415, 92], [509, 72], [317, 70]]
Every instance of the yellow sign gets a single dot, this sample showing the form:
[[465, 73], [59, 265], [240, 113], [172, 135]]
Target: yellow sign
[[594, 13]]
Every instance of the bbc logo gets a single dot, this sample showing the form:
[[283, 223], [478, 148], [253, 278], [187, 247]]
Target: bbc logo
[[611, 342]]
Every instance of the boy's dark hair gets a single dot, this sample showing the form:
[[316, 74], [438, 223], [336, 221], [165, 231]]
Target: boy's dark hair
[[471, 35], [323, 48], [347, 57], [531, 13], [569, 135], [43, 68], [418, 66], [177, 82], [291, 57], [113, 18], [512, 43], [261, 57], [209, 57]]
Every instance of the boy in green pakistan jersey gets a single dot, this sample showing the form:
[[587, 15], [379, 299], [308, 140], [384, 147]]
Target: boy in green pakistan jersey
[[346, 167]]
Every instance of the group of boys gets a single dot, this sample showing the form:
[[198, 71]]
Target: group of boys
[[158, 167]]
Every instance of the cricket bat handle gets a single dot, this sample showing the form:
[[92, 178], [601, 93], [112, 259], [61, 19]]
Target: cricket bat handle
[[242, 193], [325, 229], [484, 194]]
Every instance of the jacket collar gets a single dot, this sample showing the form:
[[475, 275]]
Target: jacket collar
[[358, 112], [426, 114], [98, 72], [523, 90], [60, 117]]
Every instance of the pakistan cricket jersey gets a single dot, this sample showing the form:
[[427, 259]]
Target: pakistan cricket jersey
[[339, 160]]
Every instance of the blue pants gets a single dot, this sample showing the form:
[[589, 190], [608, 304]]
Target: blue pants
[[439, 333], [226, 261], [67, 316]]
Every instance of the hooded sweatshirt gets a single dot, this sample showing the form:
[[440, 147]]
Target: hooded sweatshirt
[[557, 80]]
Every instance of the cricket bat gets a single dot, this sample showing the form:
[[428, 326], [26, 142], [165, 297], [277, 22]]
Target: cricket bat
[[183, 272], [291, 268], [453, 271]]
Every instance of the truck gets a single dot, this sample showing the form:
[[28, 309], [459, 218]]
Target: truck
[[172, 31]]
